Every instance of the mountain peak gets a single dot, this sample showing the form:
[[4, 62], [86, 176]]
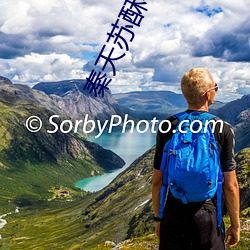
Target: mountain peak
[[4, 80]]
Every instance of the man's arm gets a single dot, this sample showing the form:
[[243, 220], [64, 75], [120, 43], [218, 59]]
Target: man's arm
[[232, 200], [157, 178], [156, 187]]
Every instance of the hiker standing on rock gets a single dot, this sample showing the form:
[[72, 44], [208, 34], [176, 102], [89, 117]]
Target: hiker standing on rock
[[193, 165]]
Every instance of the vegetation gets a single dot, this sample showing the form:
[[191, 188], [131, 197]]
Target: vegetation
[[57, 225], [36, 170], [118, 213], [32, 163]]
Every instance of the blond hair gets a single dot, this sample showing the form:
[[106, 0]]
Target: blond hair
[[195, 83]]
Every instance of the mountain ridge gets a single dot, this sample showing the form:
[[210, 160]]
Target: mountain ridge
[[70, 96], [4, 80]]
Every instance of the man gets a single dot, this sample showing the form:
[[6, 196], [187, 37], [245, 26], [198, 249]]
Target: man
[[194, 225]]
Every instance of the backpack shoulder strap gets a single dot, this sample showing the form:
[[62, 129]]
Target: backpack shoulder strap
[[182, 115], [208, 116]]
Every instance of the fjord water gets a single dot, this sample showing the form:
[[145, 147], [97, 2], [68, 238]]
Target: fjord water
[[129, 146]]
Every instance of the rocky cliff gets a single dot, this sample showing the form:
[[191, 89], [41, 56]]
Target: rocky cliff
[[243, 175], [70, 96], [232, 110]]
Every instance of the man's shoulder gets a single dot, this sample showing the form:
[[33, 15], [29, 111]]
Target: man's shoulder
[[172, 119], [220, 124], [227, 127]]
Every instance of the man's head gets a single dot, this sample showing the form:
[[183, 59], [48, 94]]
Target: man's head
[[197, 86]]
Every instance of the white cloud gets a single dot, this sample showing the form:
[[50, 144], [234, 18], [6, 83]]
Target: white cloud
[[47, 40], [35, 68]]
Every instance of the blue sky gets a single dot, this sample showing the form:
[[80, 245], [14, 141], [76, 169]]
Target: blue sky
[[54, 40]]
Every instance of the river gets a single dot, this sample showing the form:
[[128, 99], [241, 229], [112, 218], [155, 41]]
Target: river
[[128, 146]]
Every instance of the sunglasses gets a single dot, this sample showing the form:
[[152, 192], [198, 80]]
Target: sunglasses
[[216, 87]]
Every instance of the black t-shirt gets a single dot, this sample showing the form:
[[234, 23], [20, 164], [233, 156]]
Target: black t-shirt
[[225, 141]]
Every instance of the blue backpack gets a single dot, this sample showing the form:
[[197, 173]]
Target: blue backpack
[[191, 162]]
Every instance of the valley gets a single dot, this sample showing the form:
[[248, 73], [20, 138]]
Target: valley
[[38, 171]]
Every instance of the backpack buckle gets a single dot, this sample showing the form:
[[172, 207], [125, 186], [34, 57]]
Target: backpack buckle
[[172, 152]]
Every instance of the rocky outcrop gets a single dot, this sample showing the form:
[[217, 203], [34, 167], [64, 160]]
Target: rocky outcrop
[[242, 130], [106, 158], [70, 96], [243, 175], [4, 80]]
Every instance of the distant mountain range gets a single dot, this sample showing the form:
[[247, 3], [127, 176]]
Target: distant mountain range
[[149, 104], [76, 102], [71, 97], [153, 103]]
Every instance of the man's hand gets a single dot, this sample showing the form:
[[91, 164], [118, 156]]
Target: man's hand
[[156, 187], [157, 228], [232, 236], [232, 200]]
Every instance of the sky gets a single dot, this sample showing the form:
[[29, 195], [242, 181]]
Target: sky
[[54, 40]]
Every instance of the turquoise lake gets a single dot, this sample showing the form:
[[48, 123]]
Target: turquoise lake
[[129, 146]]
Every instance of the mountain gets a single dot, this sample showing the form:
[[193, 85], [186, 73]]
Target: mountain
[[232, 110], [216, 105], [149, 104], [70, 96], [38, 166], [32, 163], [242, 130], [237, 114], [4, 80]]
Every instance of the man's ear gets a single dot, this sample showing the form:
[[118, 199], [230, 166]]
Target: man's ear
[[207, 95]]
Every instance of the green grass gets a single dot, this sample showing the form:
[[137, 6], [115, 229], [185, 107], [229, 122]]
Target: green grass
[[51, 225], [31, 183], [31, 164]]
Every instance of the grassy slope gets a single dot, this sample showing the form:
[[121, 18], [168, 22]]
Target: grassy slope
[[48, 226], [150, 242], [60, 225], [31, 164]]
